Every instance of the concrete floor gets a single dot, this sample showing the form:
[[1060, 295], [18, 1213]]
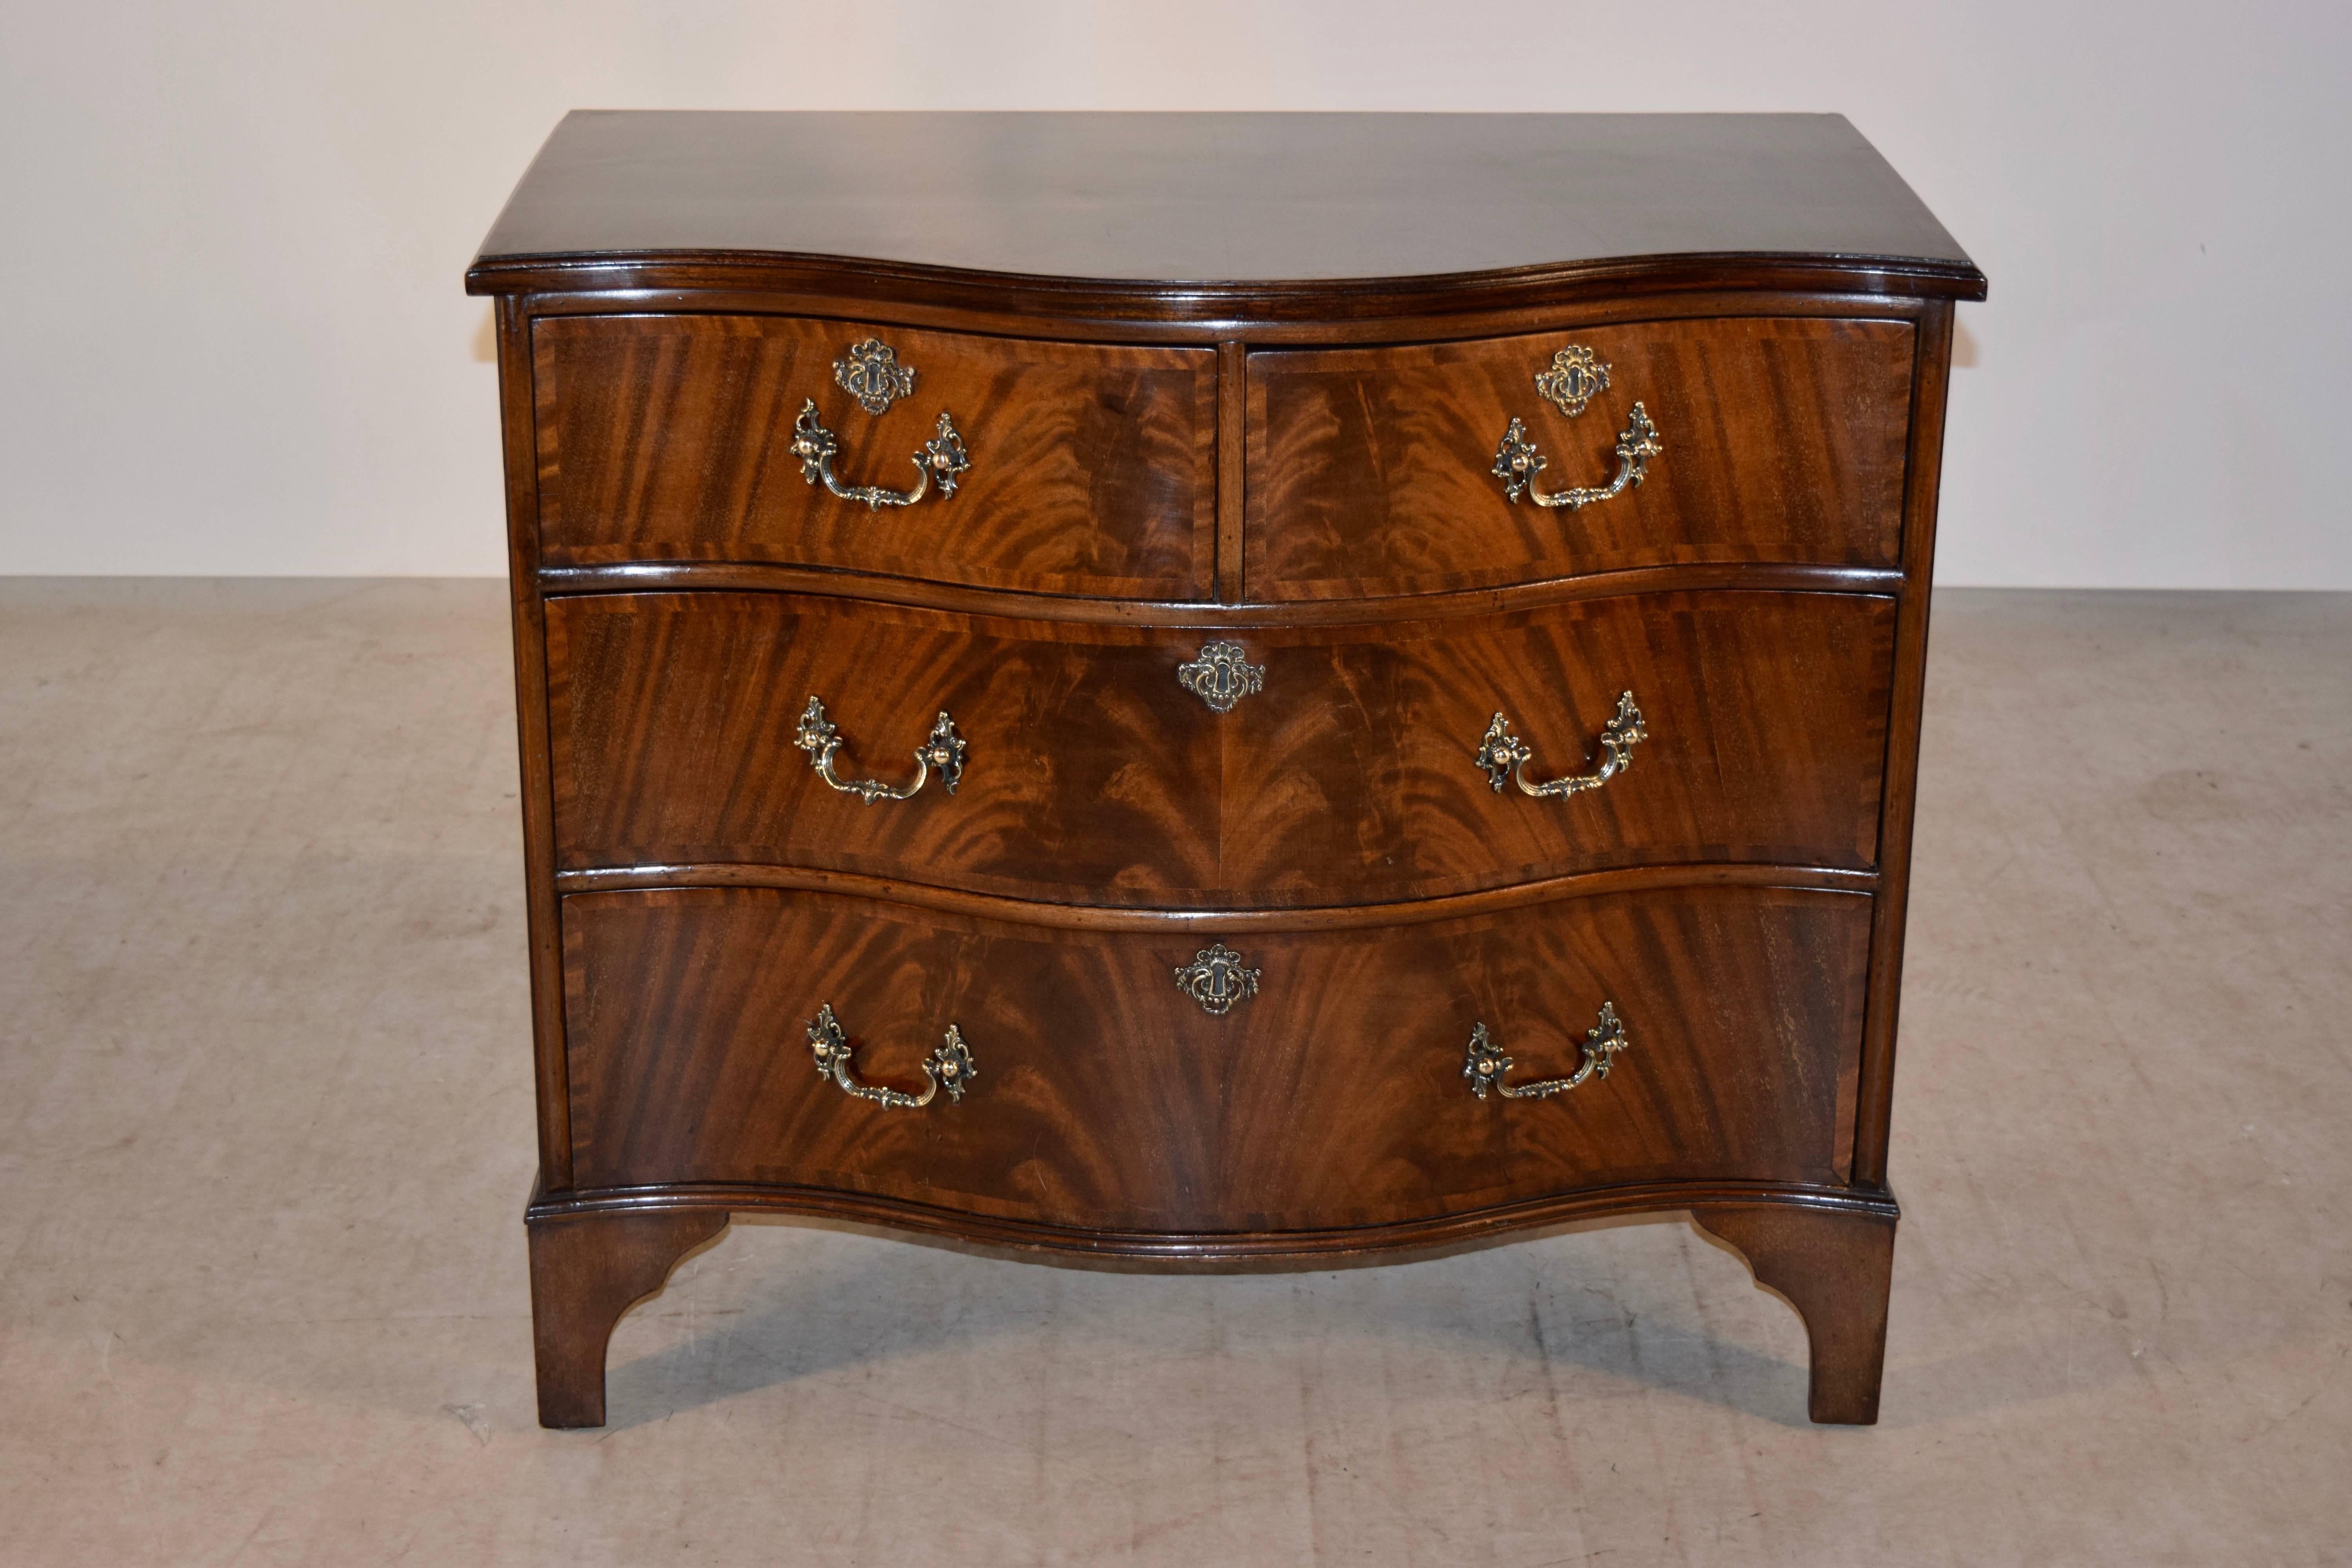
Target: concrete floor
[[265, 1133]]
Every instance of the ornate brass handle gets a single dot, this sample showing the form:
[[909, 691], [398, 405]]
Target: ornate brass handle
[[949, 1066], [943, 750], [871, 372], [1574, 376], [1502, 752], [1487, 1064]]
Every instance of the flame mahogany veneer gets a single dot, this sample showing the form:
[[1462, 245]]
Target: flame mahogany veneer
[[1094, 778], [1241, 379]]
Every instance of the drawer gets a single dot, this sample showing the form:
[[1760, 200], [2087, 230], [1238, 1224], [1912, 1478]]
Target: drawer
[[1369, 470], [1104, 1096], [1092, 775], [1092, 468]]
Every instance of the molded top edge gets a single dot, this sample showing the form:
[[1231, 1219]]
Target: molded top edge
[[1216, 203]]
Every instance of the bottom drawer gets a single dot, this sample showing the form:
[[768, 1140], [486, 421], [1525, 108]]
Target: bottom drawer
[[1105, 1097]]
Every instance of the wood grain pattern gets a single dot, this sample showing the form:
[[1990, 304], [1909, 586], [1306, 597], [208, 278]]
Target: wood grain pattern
[[1212, 197], [1369, 468], [585, 1270], [1837, 1270], [1089, 768], [1106, 1097], [1094, 778], [537, 791], [1213, 213], [1236, 376], [1875, 1087], [1179, 1251], [1358, 311], [1354, 310], [668, 437], [1233, 447], [653, 576], [1211, 923], [1356, 780]]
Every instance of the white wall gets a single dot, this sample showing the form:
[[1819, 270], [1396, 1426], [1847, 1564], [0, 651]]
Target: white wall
[[234, 341]]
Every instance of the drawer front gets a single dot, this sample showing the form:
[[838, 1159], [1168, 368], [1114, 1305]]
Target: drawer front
[[1092, 775], [1369, 470], [1092, 468], [1105, 1097], [673, 720]]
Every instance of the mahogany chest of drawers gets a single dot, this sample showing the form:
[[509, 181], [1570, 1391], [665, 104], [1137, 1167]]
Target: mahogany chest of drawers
[[1209, 688]]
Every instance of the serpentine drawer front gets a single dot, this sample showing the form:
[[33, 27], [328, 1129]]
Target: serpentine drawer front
[[1092, 774], [1747, 438], [1333, 1095], [1002, 462], [1207, 688]]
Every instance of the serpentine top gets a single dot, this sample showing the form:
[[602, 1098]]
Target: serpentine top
[[1216, 197]]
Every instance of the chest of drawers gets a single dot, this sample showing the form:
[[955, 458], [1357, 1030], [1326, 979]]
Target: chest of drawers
[[1213, 688]]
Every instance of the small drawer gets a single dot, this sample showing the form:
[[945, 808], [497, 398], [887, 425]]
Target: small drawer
[[1091, 468], [1372, 470], [1091, 774], [1100, 1093]]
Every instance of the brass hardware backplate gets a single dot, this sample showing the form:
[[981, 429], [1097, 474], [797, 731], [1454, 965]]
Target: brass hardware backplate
[[1576, 377], [1217, 979], [870, 373], [1221, 676]]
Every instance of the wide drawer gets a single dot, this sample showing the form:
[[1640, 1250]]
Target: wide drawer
[[1371, 470], [1105, 1096], [1092, 468], [1091, 774]]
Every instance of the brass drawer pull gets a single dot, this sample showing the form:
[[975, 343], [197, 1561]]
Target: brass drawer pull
[[1217, 979], [1221, 676], [1570, 382], [949, 1066], [943, 750], [871, 372], [1502, 752], [1486, 1063]]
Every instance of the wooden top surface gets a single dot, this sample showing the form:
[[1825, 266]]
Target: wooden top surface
[[1216, 198]]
